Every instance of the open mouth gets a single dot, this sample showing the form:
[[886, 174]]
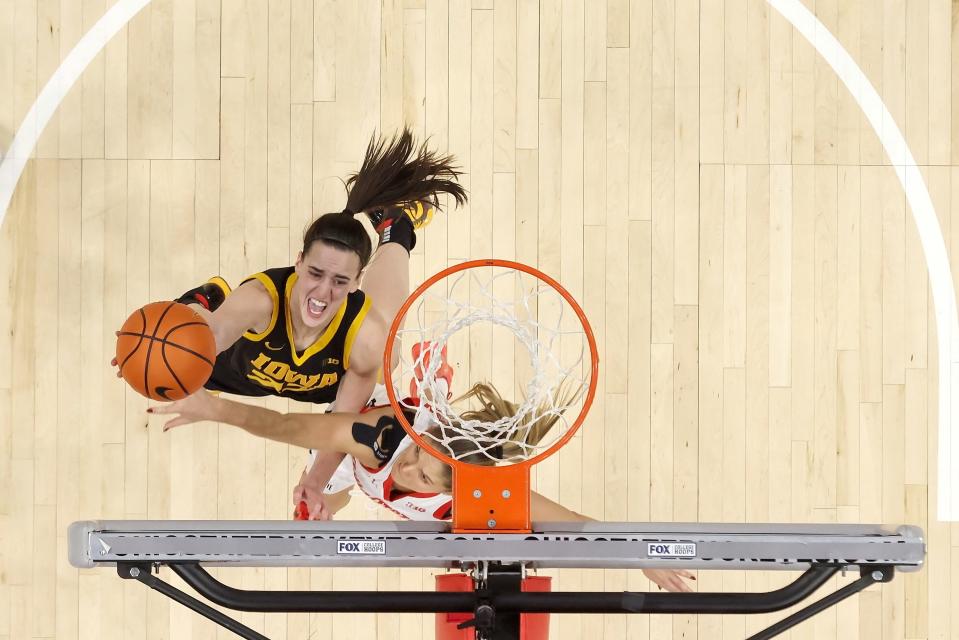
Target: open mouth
[[315, 307]]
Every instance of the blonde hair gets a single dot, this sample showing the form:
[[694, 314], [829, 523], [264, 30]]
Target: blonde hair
[[528, 433]]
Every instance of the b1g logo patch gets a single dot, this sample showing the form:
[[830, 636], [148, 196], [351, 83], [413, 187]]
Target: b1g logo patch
[[360, 547], [671, 550]]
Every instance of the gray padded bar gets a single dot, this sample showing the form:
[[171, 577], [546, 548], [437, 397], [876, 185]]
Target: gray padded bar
[[430, 544]]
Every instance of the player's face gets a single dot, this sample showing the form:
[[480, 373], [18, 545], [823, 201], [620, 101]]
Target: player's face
[[325, 276], [417, 471]]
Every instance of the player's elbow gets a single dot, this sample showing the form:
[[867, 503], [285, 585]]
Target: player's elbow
[[221, 334]]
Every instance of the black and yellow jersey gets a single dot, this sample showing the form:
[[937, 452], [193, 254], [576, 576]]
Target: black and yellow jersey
[[267, 363]]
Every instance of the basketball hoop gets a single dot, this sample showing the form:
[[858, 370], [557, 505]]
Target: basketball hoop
[[521, 313]]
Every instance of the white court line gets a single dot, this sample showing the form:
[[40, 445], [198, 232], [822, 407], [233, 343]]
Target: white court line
[[55, 90], [930, 234], [933, 244]]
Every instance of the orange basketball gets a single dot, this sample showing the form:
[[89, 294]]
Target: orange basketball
[[165, 350]]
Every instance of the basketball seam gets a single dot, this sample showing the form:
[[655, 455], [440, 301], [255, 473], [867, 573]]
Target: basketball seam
[[192, 323], [146, 364], [172, 344], [165, 343], [139, 342], [163, 346]]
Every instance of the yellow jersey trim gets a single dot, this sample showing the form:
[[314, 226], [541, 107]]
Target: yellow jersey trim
[[324, 338], [351, 334], [263, 279], [223, 284]]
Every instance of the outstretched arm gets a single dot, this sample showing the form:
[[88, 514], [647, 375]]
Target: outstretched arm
[[249, 308], [321, 431], [542, 509]]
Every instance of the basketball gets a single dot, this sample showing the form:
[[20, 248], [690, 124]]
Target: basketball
[[165, 351]]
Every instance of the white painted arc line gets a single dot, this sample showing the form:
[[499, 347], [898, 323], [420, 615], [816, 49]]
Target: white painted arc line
[[46, 104], [57, 87], [930, 235]]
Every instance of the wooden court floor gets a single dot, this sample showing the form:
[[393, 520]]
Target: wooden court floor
[[691, 170]]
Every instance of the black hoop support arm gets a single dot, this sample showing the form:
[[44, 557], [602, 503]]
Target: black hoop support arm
[[322, 601], [529, 602], [506, 602], [142, 573]]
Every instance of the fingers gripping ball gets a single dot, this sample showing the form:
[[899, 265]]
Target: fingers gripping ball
[[165, 351]]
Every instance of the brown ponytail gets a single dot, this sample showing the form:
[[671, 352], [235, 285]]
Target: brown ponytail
[[399, 171], [393, 172]]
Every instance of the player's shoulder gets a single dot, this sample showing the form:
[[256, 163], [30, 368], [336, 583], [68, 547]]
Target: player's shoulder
[[257, 291], [370, 344], [250, 307]]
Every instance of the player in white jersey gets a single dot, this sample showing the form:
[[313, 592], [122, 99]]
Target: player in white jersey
[[387, 465], [378, 484]]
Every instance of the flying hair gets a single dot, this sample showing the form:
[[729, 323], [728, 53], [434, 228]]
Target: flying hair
[[493, 407], [395, 171], [399, 170]]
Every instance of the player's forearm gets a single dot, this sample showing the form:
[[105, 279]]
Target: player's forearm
[[261, 422]]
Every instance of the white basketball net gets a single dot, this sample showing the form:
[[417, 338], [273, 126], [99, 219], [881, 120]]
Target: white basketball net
[[505, 327]]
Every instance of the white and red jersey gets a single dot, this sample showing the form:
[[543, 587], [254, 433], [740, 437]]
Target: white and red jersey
[[378, 485]]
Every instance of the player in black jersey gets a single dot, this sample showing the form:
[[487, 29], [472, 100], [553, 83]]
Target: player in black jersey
[[272, 362], [308, 332]]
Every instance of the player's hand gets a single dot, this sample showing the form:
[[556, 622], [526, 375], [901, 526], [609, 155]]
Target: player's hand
[[669, 579], [113, 362], [315, 504], [193, 408]]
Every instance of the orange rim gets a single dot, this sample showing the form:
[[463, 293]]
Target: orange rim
[[491, 262]]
